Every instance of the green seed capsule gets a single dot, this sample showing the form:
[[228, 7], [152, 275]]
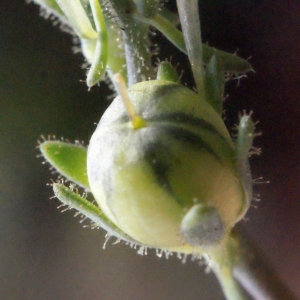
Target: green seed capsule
[[148, 180]]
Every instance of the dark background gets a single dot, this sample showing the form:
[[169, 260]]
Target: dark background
[[45, 254]]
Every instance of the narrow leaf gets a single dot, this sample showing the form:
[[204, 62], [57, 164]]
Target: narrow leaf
[[99, 61], [77, 16], [68, 159], [89, 210], [52, 7], [230, 62]]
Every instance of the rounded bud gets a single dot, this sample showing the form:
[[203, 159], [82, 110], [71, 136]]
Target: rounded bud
[[181, 161]]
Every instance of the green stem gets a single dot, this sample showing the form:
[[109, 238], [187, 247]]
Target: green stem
[[137, 54], [252, 270], [231, 288], [190, 23], [243, 270], [135, 35]]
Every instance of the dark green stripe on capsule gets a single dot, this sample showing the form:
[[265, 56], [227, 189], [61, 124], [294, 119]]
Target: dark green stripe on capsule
[[205, 131], [179, 119], [164, 147], [188, 138]]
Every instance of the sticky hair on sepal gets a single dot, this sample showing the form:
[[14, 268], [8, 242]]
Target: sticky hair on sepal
[[136, 121], [202, 226]]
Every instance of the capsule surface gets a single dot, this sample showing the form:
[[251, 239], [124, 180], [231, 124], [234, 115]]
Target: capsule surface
[[146, 180]]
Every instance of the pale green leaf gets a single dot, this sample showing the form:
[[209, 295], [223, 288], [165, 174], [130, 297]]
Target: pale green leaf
[[89, 210], [68, 159]]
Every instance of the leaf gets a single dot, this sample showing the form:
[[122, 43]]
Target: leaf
[[51, 6], [99, 61], [229, 62], [89, 210], [78, 18], [68, 159], [214, 84]]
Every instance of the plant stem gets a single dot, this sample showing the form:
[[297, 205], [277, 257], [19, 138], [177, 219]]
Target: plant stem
[[136, 41], [190, 23], [230, 286], [255, 274], [243, 271], [136, 52]]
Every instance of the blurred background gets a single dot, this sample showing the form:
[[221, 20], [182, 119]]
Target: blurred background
[[45, 254]]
